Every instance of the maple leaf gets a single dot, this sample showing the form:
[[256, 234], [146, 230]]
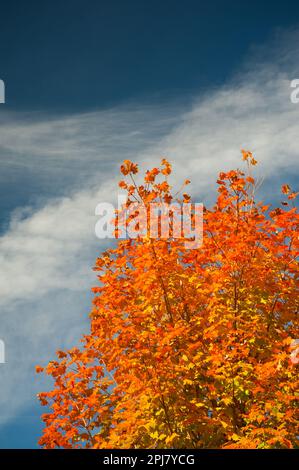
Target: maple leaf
[[285, 188]]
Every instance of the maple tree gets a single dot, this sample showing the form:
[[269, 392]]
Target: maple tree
[[187, 347]]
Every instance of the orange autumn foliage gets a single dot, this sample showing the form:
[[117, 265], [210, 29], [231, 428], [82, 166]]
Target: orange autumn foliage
[[188, 348]]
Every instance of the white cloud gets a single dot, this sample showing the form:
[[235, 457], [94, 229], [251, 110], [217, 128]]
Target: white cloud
[[48, 249], [45, 258]]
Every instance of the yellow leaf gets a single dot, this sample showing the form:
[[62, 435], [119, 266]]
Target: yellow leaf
[[199, 405], [188, 382], [169, 439]]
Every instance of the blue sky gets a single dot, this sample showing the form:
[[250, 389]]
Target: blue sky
[[81, 55], [89, 84]]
